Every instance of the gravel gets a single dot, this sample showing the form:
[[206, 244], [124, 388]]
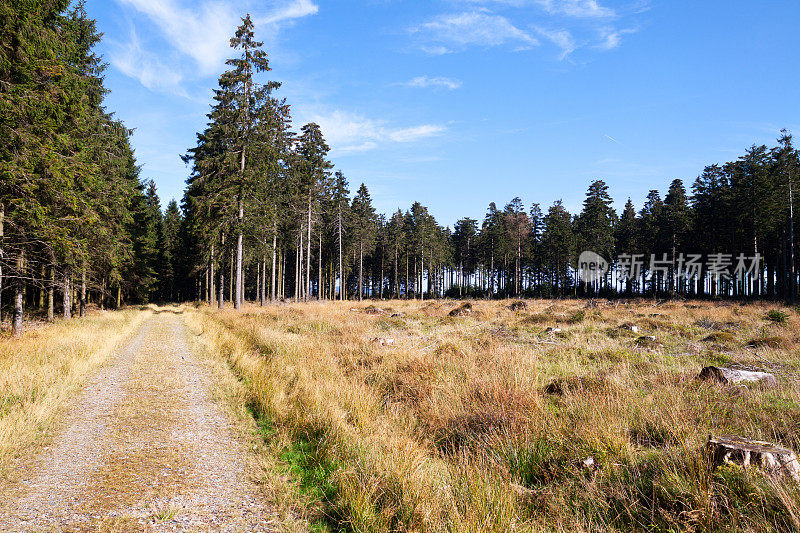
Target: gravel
[[144, 448]]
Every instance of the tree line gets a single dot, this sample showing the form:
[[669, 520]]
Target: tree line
[[269, 219], [78, 226], [265, 216]]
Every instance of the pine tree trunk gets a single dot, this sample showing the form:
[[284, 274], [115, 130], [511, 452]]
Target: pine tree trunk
[[68, 294], [19, 291], [264, 279], [119, 296], [51, 295], [308, 253], [213, 277], [319, 274], [274, 250], [360, 269], [341, 271], [232, 296], [221, 300], [237, 302], [395, 288], [422, 275], [82, 311]]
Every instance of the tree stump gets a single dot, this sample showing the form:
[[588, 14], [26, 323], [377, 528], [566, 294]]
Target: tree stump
[[519, 305], [732, 375], [463, 310], [774, 460]]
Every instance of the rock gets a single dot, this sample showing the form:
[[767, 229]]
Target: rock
[[553, 330], [397, 315], [519, 305], [464, 309], [589, 463], [647, 341], [774, 460], [732, 375], [384, 341], [373, 310], [630, 327]]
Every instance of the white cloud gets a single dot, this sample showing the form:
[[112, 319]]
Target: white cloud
[[293, 10], [576, 8], [611, 38], [350, 132], [570, 8], [479, 28], [561, 38], [422, 82], [202, 31], [133, 61]]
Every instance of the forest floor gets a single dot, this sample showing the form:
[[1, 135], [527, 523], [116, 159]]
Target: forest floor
[[150, 444]]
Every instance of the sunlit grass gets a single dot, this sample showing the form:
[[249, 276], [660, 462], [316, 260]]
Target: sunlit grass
[[451, 427], [44, 367]]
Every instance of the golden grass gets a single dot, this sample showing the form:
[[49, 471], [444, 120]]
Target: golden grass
[[458, 427], [43, 368]]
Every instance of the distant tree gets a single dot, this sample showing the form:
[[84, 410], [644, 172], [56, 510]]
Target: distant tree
[[364, 221]]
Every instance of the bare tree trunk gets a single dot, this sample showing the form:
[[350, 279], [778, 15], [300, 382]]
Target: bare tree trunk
[[341, 271], [119, 296], [264, 279], [319, 274], [68, 294], [82, 311], [212, 302], [274, 246], [360, 270], [308, 252], [51, 295], [395, 287], [221, 301], [19, 288], [237, 302], [230, 281], [422, 275]]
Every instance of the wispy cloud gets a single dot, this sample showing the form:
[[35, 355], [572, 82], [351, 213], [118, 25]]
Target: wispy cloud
[[611, 38], [474, 28], [133, 61], [570, 8], [576, 8], [200, 31], [422, 82], [579, 24], [350, 132], [561, 38]]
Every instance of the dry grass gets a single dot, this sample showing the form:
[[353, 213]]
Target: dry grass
[[480, 422], [42, 369]]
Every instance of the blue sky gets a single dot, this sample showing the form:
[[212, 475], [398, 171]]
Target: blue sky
[[456, 103]]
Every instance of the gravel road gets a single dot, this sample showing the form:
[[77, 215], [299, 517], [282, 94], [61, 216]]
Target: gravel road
[[145, 447]]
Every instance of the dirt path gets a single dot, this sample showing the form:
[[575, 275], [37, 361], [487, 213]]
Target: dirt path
[[145, 448]]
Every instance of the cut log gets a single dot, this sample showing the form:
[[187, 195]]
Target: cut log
[[732, 375], [774, 460]]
